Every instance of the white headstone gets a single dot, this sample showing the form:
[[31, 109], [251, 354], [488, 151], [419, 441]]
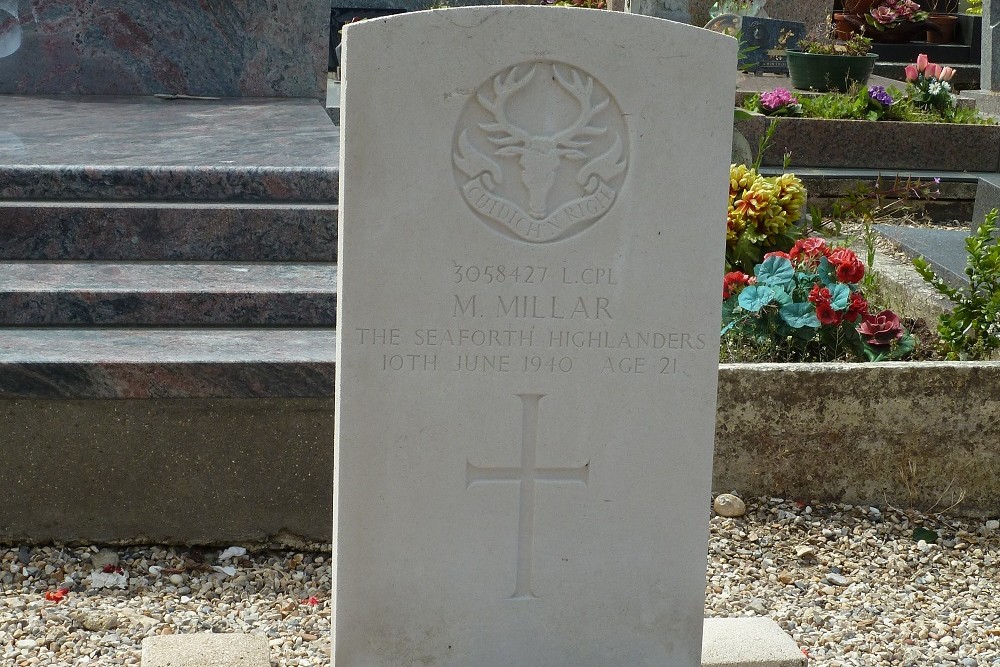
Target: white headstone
[[532, 235]]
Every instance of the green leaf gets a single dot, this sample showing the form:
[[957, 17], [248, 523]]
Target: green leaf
[[840, 295], [743, 114], [781, 296], [904, 347], [925, 534], [799, 315], [755, 297], [774, 271], [826, 272]]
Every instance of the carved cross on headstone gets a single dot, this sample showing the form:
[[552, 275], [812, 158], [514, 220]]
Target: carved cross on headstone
[[526, 475]]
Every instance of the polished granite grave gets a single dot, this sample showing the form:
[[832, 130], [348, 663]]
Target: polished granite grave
[[142, 149], [230, 48]]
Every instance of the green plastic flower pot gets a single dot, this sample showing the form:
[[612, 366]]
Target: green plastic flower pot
[[816, 71]]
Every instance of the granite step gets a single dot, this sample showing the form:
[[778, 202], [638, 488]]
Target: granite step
[[102, 363], [167, 294], [168, 231], [147, 149]]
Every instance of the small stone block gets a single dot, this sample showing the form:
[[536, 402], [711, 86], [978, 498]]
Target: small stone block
[[746, 642], [205, 650], [987, 199]]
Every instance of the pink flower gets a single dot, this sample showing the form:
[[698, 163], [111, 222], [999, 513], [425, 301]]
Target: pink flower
[[882, 329], [911, 73], [946, 73], [922, 62], [777, 98], [884, 15], [933, 70]]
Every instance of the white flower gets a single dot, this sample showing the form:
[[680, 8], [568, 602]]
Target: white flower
[[934, 88]]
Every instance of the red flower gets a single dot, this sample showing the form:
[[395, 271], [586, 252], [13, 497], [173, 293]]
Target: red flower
[[56, 596], [733, 282], [819, 294], [881, 329], [826, 314], [312, 601], [856, 307], [850, 269], [778, 253], [809, 249]]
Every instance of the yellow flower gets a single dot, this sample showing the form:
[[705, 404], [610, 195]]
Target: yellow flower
[[791, 195], [741, 177]]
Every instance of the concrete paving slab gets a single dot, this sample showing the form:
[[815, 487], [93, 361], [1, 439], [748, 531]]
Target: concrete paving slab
[[747, 642], [944, 249], [205, 650]]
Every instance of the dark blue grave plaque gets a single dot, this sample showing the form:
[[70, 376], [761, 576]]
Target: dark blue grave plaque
[[763, 43]]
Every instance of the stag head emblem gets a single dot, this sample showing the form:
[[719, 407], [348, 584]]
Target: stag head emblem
[[540, 156], [563, 116]]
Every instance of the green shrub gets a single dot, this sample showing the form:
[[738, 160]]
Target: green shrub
[[972, 330]]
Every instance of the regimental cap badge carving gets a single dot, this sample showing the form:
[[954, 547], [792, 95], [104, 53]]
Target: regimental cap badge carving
[[540, 151]]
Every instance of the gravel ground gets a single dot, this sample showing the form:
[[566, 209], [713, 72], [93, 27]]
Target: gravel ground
[[851, 584], [855, 587]]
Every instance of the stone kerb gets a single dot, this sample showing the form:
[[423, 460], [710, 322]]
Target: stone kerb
[[816, 142], [987, 199], [527, 351], [240, 48]]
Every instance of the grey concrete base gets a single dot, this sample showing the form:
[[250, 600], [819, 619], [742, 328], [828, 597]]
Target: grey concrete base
[[747, 642], [205, 650], [987, 101], [726, 642], [910, 434], [180, 471], [230, 471]]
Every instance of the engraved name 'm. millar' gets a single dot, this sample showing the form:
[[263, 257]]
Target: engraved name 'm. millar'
[[533, 307]]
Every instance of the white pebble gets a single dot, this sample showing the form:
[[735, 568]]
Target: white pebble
[[728, 505]]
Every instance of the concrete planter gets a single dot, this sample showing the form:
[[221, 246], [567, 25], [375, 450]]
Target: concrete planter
[[884, 145], [911, 434]]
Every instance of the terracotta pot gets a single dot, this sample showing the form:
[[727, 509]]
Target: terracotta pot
[[814, 71], [945, 28], [843, 27]]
